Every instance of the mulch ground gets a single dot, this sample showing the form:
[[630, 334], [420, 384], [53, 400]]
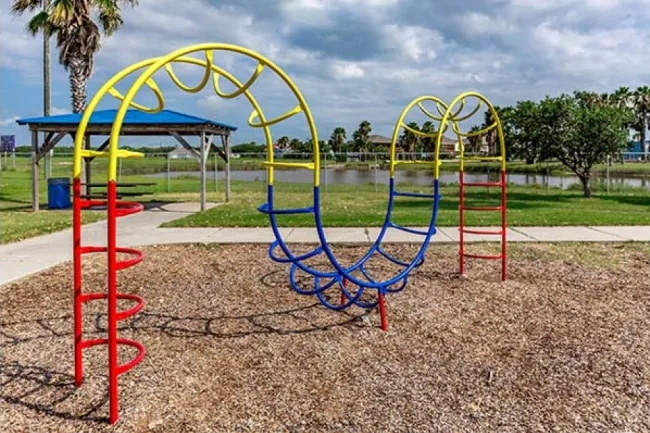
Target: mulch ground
[[563, 345]]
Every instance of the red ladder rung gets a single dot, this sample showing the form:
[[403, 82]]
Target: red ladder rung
[[482, 232], [483, 256], [124, 341], [137, 258], [121, 315], [482, 184], [482, 208]]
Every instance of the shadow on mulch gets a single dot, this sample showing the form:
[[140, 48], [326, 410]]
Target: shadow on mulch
[[54, 388]]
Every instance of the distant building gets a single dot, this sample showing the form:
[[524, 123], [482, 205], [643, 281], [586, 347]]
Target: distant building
[[181, 153], [379, 140]]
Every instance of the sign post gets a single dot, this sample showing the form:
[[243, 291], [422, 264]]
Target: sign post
[[7, 144]]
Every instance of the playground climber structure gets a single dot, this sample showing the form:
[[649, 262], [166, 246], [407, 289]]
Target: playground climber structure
[[338, 287]]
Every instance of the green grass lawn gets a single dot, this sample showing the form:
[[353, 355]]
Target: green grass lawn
[[342, 205], [350, 206]]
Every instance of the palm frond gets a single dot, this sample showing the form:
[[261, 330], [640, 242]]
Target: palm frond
[[110, 20], [39, 22], [20, 6], [63, 12]]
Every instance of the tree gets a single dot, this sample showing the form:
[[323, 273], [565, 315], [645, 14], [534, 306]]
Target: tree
[[409, 140], [526, 133], [283, 143], [580, 135], [337, 140], [428, 143], [492, 136], [361, 137], [473, 141], [296, 145], [78, 37], [641, 106]]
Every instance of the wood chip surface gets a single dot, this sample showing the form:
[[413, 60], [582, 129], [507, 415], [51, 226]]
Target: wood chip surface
[[562, 346]]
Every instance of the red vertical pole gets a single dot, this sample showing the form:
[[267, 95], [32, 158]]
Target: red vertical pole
[[503, 226], [461, 207], [76, 256], [382, 311], [345, 284], [112, 301]]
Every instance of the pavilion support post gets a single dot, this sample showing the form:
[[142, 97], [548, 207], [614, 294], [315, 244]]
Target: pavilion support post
[[35, 191], [203, 159], [87, 163], [225, 140]]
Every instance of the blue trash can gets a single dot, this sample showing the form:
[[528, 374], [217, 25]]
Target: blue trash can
[[58, 193]]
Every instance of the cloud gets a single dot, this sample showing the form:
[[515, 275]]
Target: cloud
[[360, 59], [11, 121]]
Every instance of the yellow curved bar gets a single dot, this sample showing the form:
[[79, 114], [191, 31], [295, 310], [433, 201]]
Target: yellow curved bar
[[202, 83], [156, 91], [456, 129], [92, 105], [297, 109], [173, 56], [400, 123], [240, 90], [447, 117], [117, 77], [420, 133]]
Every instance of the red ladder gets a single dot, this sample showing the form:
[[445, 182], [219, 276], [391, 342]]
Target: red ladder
[[464, 230], [116, 209]]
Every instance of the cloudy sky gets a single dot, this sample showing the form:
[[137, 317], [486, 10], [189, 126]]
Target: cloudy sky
[[354, 59]]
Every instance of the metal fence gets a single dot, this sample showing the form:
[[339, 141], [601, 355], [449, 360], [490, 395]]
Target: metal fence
[[181, 173]]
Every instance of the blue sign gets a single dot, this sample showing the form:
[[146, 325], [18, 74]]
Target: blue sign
[[7, 143]]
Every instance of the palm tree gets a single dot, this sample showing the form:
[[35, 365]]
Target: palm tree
[[78, 37], [361, 137], [473, 141], [641, 105], [428, 143], [337, 140], [491, 137], [409, 140]]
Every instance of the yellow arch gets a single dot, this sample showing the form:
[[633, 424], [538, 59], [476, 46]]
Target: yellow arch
[[180, 55], [448, 116]]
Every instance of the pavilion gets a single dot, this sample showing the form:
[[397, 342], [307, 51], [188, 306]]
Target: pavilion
[[136, 123]]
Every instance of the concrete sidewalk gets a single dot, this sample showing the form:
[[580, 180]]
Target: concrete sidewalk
[[21, 259]]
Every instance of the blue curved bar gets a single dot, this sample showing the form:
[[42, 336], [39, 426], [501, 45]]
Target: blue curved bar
[[339, 273], [346, 271], [414, 194], [409, 230], [306, 256], [266, 208]]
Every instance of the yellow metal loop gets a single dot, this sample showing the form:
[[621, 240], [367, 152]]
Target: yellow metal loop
[[420, 133], [156, 91], [448, 116], [468, 115], [181, 56], [444, 108], [240, 90], [206, 75], [456, 129], [297, 109]]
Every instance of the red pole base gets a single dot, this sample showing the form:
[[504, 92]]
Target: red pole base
[[343, 298], [382, 312]]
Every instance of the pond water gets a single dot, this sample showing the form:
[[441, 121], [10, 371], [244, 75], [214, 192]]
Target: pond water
[[413, 177]]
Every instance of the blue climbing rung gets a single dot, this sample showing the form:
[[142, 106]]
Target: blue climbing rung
[[409, 230], [396, 261], [265, 208], [414, 194]]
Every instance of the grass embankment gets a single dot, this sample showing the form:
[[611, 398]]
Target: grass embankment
[[158, 164], [342, 205], [354, 206]]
